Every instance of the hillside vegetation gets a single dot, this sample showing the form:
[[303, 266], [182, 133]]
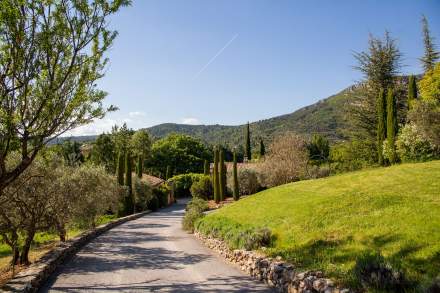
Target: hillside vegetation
[[327, 224]]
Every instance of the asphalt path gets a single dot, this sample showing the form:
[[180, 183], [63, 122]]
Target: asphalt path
[[150, 254]]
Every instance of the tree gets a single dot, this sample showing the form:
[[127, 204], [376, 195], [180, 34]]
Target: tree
[[235, 189], [121, 137], [216, 180], [262, 148], [140, 145], [412, 91], [103, 152], [71, 152], [51, 57], [248, 153], [121, 168], [319, 149], [391, 125], [222, 174], [168, 174], [139, 168], [431, 56], [381, 124], [430, 85], [206, 170], [129, 202], [380, 65]]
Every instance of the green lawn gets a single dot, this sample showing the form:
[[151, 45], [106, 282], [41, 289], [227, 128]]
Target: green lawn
[[326, 223]]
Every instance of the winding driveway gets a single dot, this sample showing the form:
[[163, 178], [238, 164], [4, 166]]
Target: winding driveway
[[150, 254]]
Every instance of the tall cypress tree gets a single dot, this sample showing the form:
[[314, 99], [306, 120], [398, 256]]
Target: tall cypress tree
[[236, 193], [206, 170], [391, 124], [129, 207], [262, 148], [247, 148], [222, 174], [381, 124], [120, 168], [139, 168], [431, 55], [215, 180], [168, 173], [412, 91]]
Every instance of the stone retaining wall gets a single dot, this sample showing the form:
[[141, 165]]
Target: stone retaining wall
[[274, 272], [31, 279]]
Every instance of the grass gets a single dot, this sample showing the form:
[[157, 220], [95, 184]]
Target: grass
[[328, 223]]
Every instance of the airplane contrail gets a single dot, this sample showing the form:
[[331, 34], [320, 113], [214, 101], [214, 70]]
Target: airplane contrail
[[215, 56]]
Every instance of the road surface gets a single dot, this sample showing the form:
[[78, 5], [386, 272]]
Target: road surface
[[150, 254]]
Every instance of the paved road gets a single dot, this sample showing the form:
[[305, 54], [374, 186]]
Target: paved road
[[150, 254]]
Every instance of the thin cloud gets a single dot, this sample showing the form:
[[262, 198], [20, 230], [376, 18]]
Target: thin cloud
[[136, 114], [191, 121], [215, 56]]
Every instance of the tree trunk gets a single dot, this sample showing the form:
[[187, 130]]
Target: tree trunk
[[24, 257], [61, 228]]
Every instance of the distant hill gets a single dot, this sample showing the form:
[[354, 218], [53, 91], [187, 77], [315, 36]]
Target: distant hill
[[325, 117]]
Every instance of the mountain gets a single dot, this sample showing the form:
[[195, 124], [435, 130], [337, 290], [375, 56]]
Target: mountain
[[326, 117]]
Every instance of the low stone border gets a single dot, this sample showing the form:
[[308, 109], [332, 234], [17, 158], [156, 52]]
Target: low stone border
[[274, 272], [32, 278]]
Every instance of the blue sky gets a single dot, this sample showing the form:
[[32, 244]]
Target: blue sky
[[233, 61]]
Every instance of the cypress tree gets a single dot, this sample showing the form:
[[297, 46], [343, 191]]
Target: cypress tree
[[391, 124], [206, 170], [412, 91], [247, 148], [236, 194], [381, 125], [215, 181], [222, 174], [262, 148], [129, 207], [139, 167], [168, 173], [120, 169], [431, 54]]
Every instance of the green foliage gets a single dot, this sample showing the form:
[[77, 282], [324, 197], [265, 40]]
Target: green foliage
[[215, 174], [168, 173], [431, 55], [248, 182], [139, 166], [247, 148], [391, 126], [71, 152], [194, 211], [382, 209], [183, 183], [381, 125], [262, 149], [161, 193], [412, 91], [235, 188], [184, 153], [142, 193], [429, 85], [319, 149], [121, 168], [121, 137], [350, 156], [140, 143], [222, 175], [103, 153], [411, 145], [202, 188], [128, 201], [206, 170]]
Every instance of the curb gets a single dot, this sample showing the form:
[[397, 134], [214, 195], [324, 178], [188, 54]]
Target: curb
[[32, 278]]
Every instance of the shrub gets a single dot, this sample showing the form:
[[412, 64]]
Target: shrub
[[374, 272], [142, 194], [183, 183], [194, 211], [153, 204], [248, 182], [202, 188], [161, 193], [351, 156], [411, 146]]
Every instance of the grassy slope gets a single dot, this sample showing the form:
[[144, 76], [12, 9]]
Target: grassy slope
[[326, 223]]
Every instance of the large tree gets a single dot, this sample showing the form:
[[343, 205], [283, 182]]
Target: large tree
[[247, 148], [412, 91], [431, 55], [51, 57]]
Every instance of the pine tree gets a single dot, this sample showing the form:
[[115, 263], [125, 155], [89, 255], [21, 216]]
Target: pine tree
[[120, 169], [262, 148], [412, 91], [431, 55], [206, 170], [236, 194], [129, 205], [215, 174], [139, 167], [247, 148], [391, 124], [381, 124], [222, 177]]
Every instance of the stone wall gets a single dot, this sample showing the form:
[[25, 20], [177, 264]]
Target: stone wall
[[274, 272], [31, 279]]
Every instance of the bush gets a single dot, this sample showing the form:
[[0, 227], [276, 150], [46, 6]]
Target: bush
[[411, 146], [153, 204], [374, 272], [248, 182], [183, 183], [142, 194], [194, 211], [161, 193], [351, 156], [202, 188]]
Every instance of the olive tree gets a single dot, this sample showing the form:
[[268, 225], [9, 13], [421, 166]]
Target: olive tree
[[51, 57]]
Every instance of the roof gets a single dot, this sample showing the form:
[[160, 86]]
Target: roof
[[151, 180]]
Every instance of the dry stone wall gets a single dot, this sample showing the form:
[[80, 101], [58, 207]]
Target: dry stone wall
[[273, 271]]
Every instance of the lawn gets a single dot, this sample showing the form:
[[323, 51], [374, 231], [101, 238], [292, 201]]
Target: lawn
[[327, 223]]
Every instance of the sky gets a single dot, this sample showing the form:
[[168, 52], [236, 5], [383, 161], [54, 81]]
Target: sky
[[233, 61]]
